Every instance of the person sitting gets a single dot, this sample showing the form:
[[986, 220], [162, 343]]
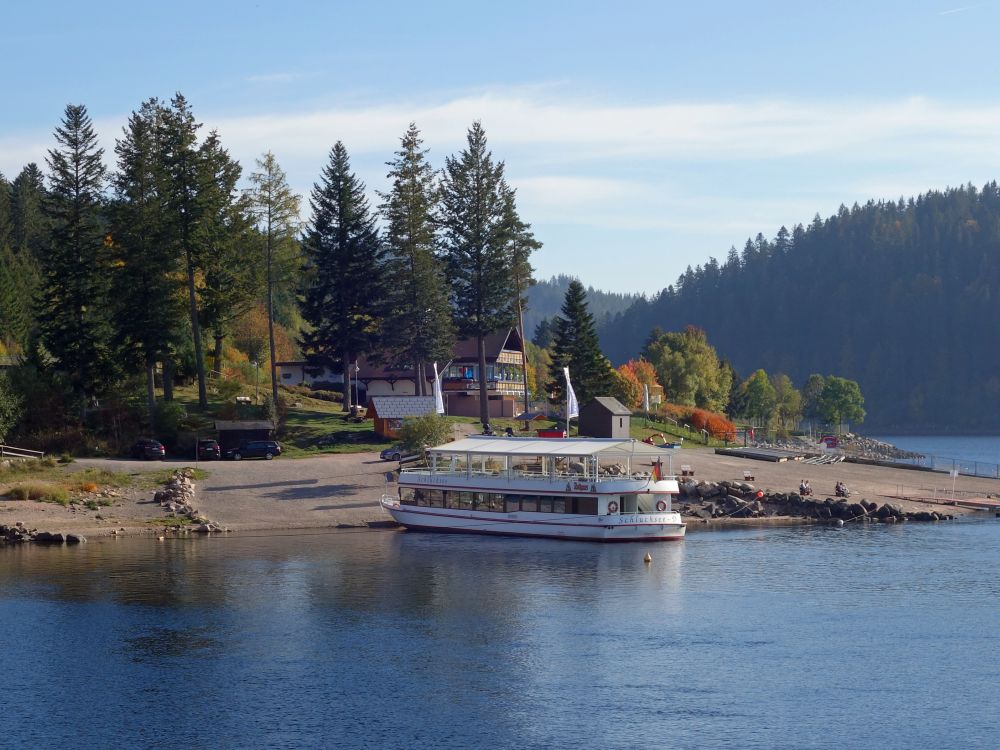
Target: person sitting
[[841, 490], [804, 488], [509, 432]]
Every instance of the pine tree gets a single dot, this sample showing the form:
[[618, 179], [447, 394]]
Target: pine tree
[[149, 315], [343, 257], [575, 345], [418, 326], [29, 222], [474, 244], [521, 243], [6, 212], [180, 175], [276, 209], [75, 320]]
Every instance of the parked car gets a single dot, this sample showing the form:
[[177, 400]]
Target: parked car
[[208, 450], [267, 449], [147, 448], [393, 452]]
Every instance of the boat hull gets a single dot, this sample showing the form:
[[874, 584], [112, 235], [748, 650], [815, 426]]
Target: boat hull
[[611, 528]]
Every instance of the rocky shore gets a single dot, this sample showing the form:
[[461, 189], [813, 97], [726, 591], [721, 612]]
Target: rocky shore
[[711, 501]]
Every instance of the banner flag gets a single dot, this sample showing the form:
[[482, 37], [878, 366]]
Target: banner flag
[[438, 396], [645, 397], [572, 407]]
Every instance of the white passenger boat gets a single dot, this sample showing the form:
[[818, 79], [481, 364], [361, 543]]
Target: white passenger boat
[[595, 489]]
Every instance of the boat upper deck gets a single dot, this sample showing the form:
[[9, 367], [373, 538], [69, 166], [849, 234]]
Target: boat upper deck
[[612, 463]]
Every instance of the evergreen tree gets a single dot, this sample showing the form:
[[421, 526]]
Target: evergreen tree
[[228, 250], [6, 213], [575, 346], [149, 315], [542, 336], [474, 243], [180, 173], [343, 258], [521, 243], [75, 320], [29, 223], [418, 326], [277, 210]]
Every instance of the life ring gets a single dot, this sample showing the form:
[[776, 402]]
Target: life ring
[[651, 438], [661, 506], [612, 507]]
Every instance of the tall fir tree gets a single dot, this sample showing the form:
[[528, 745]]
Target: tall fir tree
[[75, 319], [474, 244], [521, 243], [276, 209], [30, 224], [418, 326], [343, 259], [228, 249], [149, 313], [6, 212], [575, 345]]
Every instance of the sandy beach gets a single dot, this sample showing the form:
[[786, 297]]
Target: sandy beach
[[343, 490]]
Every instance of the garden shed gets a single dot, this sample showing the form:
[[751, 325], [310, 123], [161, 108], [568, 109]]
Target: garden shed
[[388, 412], [606, 417], [232, 432]]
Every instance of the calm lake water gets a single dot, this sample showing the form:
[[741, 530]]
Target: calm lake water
[[880, 637], [981, 448]]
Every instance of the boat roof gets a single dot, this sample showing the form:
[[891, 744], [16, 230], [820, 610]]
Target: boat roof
[[483, 444]]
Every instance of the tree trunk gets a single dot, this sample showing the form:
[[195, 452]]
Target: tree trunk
[[484, 399], [168, 379], [151, 394], [270, 331], [217, 354], [347, 381], [199, 357]]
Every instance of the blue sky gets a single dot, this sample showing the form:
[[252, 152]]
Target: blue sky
[[642, 137]]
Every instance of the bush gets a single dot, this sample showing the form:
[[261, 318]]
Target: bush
[[41, 491], [227, 390], [430, 429], [169, 418]]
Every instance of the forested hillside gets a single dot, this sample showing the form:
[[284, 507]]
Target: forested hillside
[[900, 296], [546, 297]]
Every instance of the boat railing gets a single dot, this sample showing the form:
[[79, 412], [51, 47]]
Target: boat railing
[[558, 476]]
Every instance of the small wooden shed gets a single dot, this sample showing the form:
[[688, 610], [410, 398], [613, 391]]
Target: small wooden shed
[[390, 411], [605, 417], [232, 432]]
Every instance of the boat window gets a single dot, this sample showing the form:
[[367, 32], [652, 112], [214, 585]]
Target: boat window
[[406, 496], [529, 502], [647, 502], [420, 496], [629, 504], [513, 504], [558, 505], [545, 504], [586, 506], [465, 500], [451, 499], [436, 498]]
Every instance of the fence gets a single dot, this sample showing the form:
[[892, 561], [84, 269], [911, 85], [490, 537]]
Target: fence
[[947, 465], [9, 451]]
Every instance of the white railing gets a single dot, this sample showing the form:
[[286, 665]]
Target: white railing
[[559, 476], [9, 451]]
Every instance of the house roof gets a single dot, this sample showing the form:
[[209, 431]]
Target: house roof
[[249, 424], [609, 404], [467, 350], [399, 407], [608, 447]]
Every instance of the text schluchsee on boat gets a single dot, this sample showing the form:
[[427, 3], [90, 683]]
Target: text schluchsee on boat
[[593, 489]]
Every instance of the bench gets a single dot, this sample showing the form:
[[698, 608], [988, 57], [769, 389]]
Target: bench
[[686, 471], [748, 476]]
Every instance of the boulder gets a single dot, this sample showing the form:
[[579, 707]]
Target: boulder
[[75, 538]]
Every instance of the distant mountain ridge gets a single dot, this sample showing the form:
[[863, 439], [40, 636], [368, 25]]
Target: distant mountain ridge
[[545, 299], [901, 296]]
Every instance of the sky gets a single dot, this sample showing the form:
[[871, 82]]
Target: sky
[[641, 137]]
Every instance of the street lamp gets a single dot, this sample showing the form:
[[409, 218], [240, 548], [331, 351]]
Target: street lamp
[[256, 382]]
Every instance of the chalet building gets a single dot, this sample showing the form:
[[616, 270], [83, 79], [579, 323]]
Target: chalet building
[[459, 377]]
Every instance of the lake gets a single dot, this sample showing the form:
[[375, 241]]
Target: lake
[[865, 637]]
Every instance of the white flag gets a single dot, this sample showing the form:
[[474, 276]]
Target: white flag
[[572, 407], [645, 397], [438, 397]]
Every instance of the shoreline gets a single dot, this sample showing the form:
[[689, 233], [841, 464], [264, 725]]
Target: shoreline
[[340, 493]]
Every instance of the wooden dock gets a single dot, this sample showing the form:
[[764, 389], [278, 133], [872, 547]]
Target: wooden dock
[[775, 455]]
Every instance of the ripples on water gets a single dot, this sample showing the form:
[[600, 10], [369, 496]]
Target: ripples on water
[[808, 637]]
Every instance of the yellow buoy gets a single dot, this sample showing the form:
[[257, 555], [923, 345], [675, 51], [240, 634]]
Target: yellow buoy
[[648, 558]]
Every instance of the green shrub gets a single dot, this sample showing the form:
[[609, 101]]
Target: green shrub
[[428, 430], [169, 417], [227, 389], [41, 491]]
